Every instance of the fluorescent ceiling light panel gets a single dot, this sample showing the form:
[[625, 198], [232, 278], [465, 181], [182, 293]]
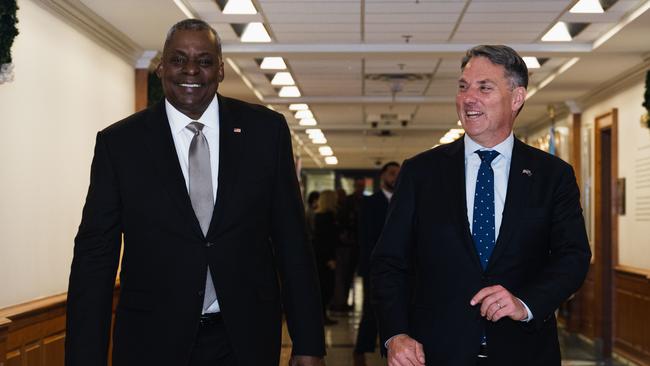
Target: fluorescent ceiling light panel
[[289, 92], [316, 136], [255, 32], [308, 122], [559, 33], [239, 7], [325, 151], [304, 114], [298, 107], [531, 62], [319, 140], [181, 5], [587, 7], [273, 63], [283, 78], [446, 139], [314, 131], [331, 160]]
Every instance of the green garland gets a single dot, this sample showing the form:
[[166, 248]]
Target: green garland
[[8, 30], [646, 100]]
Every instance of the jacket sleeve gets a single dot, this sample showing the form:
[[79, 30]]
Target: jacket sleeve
[[94, 266], [294, 255], [390, 260], [569, 254]]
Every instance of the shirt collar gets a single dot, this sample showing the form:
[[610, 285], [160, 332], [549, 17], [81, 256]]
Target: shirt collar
[[178, 121], [504, 147], [387, 194]]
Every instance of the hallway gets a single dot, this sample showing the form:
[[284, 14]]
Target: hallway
[[340, 340]]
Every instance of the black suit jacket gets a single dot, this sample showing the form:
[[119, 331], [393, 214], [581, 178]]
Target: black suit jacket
[[371, 222], [256, 246], [541, 256]]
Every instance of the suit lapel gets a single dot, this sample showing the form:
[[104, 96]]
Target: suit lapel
[[457, 169], [231, 136], [519, 185], [159, 141]]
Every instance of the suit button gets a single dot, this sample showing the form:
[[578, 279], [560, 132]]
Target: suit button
[[201, 293], [208, 244]]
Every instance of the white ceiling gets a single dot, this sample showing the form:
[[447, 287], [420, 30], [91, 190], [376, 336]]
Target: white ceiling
[[337, 50]]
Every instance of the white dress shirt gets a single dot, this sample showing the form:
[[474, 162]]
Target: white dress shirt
[[183, 137], [501, 168]]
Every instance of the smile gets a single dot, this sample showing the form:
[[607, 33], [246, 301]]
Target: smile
[[184, 85], [473, 114]]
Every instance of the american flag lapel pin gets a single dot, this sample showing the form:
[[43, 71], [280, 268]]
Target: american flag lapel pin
[[527, 172], [236, 130]]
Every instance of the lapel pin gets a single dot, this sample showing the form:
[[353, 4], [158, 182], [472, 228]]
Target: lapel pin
[[237, 130], [527, 172]]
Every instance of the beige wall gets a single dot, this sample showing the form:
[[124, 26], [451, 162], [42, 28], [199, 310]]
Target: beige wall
[[66, 88], [633, 149]]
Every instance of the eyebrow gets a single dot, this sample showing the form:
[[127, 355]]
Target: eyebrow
[[480, 82]]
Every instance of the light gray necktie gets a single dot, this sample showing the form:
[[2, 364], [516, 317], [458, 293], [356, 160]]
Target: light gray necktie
[[201, 193]]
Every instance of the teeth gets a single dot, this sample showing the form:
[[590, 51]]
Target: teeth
[[473, 113], [190, 85]]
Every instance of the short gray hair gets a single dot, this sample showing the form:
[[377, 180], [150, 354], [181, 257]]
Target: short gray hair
[[193, 25], [515, 67]]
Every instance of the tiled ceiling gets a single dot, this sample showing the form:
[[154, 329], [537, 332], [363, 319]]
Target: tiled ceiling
[[380, 76]]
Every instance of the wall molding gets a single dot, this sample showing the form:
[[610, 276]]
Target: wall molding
[[79, 16]]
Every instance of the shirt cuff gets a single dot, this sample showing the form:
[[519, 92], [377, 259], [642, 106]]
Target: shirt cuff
[[530, 315], [390, 339]]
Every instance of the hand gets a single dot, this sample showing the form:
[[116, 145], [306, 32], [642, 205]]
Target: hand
[[306, 361], [405, 351], [497, 302], [331, 264]]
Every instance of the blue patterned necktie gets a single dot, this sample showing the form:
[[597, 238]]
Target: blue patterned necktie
[[483, 232]]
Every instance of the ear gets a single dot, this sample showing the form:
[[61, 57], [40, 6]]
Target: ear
[[518, 98], [221, 72], [159, 70]]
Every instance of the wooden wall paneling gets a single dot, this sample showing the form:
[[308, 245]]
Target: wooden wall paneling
[[4, 330], [141, 88], [632, 319]]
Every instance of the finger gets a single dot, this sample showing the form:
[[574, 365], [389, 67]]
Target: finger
[[488, 302], [419, 352], [483, 293], [500, 312], [492, 309]]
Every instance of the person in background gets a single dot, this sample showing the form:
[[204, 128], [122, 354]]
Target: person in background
[[348, 250], [484, 238], [213, 252], [325, 241], [371, 222], [310, 212]]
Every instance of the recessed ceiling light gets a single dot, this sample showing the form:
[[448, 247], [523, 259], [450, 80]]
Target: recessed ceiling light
[[289, 92], [319, 140], [255, 32], [588, 7], [325, 151], [331, 160], [308, 122], [239, 7], [559, 33], [316, 135], [304, 114], [314, 131], [531, 62], [273, 63], [298, 107], [283, 78]]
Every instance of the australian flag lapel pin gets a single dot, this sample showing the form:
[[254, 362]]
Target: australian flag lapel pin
[[527, 172], [236, 130]]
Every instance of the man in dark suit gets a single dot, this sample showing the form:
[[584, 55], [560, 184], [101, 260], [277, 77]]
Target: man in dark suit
[[371, 222], [202, 190], [492, 231]]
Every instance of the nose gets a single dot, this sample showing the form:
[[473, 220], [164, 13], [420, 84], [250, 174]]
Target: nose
[[191, 67], [469, 96]]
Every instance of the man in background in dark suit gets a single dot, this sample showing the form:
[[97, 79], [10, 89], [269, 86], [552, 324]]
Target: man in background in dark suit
[[371, 222], [491, 231], [202, 190]]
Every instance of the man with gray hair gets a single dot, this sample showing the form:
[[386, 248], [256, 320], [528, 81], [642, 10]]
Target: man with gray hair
[[202, 190], [484, 237]]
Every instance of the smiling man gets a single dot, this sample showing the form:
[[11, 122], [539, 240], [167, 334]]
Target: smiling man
[[484, 237], [202, 190]]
